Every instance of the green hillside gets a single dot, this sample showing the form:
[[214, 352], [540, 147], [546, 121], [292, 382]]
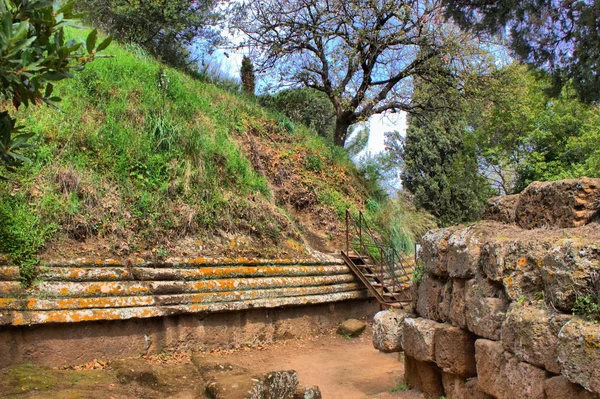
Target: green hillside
[[145, 160]]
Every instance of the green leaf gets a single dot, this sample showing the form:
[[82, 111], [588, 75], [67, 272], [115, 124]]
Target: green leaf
[[90, 43], [49, 89], [104, 44]]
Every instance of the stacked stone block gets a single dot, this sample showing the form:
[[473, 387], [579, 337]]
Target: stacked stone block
[[493, 313]]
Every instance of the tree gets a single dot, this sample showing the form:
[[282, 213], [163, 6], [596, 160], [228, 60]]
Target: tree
[[363, 54], [526, 135], [166, 28], [438, 158], [247, 75], [307, 106], [33, 55], [559, 36]]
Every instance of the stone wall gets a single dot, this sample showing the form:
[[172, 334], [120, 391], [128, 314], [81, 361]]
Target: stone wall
[[96, 289], [85, 309], [493, 312]]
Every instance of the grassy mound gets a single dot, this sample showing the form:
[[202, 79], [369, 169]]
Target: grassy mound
[[144, 159]]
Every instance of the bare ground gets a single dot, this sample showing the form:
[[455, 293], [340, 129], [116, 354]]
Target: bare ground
[[342, 368]]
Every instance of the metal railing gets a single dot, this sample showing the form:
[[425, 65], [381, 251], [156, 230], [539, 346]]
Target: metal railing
[[387, 262]]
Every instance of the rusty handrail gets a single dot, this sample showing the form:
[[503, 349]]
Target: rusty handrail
[[390, 260]]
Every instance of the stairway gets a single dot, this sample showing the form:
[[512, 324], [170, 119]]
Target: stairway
[[381, 269], [389, 291]]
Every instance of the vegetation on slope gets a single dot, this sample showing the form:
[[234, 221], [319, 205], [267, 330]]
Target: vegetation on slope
[[145, 160]]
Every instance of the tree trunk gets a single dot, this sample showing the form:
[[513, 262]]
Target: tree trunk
[[341, 130]]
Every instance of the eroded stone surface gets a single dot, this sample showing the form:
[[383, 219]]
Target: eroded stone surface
[[455, 351], [418, 338], [425, 376], [387, 331], [352, 327], [457, 387], [485, 308], [458, 305], [560, 388], [501, 209], [558, 204], [579, 353], [531, 333], [570, 270], [432, 300], [464, 250], [504, 376], [434, 251]]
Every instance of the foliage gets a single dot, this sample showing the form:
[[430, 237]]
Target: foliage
[[401, 387], [166, 28], [247, 76], [418, 272], [527, 135], [438, 158], [307, 106], [561, 37], [399, 223], [362, 54], [588, 307], [34, 55]]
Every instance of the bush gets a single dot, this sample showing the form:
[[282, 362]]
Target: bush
[[307, 106]]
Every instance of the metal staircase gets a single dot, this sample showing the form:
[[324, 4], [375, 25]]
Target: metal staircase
[[382, 269]]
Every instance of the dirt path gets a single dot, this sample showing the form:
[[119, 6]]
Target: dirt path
[[342, 368]]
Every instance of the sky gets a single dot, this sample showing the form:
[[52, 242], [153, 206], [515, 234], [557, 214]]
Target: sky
[[230, 64]]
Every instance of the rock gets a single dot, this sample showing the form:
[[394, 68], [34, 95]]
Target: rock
[[558, 204], [425, 376], [501, 209], [464, 250], [431, 297], [240, 385], [503, 376], [570, 270], [352, 328], [135, 370], [579, 353], [276, 385], [418, 338], [458, 305], [455, 351], [434, 248], [560, 388], [387, 331], [458, 388], [531, 333], [485, 307], [308, 393]]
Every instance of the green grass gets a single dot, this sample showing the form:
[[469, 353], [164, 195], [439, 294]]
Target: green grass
[[403, 387], [141, 155]]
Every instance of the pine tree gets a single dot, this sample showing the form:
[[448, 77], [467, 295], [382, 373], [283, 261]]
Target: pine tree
[[438, 157], [247, 75]]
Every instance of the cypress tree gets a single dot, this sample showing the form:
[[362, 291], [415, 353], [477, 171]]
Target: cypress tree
[[247, 75]]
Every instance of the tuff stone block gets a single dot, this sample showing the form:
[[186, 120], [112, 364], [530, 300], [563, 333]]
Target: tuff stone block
[[579, 353], [418, 338], [503, 376], [531, 333], [455, 351], [425, 376]]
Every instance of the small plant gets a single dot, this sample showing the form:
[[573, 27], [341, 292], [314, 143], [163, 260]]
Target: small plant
[[313, 163], [587, 307], [161, 253], [401, 387], [418, 273], [540, 296]]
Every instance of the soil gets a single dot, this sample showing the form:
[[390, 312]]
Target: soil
[[342, 368]]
